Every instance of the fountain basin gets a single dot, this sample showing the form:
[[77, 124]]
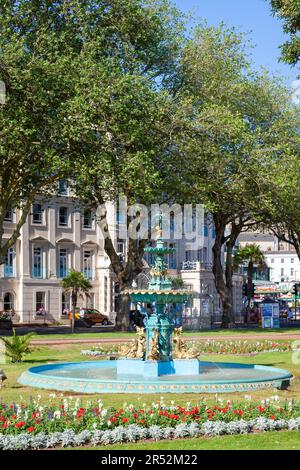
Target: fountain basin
[[102, 377]]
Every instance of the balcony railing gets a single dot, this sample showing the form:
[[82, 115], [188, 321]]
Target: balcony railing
[[196, 266]]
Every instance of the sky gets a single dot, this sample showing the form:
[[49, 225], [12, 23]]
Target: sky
[[254, 17]]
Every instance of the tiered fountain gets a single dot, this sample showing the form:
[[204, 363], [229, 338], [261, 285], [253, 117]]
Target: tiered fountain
[[158, 361]]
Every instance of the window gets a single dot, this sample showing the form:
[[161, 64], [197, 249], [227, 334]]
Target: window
[[87, 264], [121, 246], [292, 271], [282, 271], [63, 217], [188, 255], [63, 262], [63, 188], [172, 258], [37, 214], [8, 302], [40, 303], [282, 260], [272, 260], [121, 217], [9, 263], [8, 217], [87, 219], [37, 262], [65, 303], [292, 260]]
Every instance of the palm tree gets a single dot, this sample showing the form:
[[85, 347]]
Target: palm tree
[[76, 284], [17, 346], [252, 254]]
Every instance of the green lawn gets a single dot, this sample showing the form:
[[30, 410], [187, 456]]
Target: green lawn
[[12, 390], [208, 333], [285, 440]]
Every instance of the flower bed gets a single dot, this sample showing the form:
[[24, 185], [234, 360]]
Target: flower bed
[[70, 423], [211, 346], [208, 347]]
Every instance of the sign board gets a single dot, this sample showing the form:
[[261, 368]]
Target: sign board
[[270, 315]]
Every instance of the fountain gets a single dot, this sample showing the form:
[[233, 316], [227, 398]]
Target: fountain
[[158, 360]]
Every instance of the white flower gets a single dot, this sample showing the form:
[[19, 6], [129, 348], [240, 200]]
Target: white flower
[[108, 423], [103, 413], [56, 414]]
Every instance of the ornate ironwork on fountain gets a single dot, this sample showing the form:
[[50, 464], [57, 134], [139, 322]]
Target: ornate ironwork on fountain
[[159, 294]]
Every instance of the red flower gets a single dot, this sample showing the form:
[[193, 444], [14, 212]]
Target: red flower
[[121, 410], [4, 426], [124, 420], [135, 415], [20, 424], [2, 418], [113, 420], [31, 429], [272, 417]]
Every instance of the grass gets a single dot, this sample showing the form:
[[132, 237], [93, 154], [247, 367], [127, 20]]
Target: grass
[[12, 390], [243, 333], [286, 440]]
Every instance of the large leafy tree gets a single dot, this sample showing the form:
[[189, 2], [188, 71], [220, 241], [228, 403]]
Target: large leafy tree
[[289, 12], [123, 109], [39, 53], [58, 60], [235, 123]]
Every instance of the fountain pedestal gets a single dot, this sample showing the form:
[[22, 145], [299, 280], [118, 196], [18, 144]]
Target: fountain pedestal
[[182, 367]]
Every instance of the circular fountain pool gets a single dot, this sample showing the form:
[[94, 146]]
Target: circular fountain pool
[[101, 377]]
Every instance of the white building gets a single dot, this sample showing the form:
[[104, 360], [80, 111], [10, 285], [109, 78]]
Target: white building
[[58, 235], [281, 257]]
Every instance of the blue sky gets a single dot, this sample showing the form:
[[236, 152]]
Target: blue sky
[[252, 16]]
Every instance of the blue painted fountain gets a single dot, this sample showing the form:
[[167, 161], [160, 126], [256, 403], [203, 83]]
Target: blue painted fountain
[[158, 360]]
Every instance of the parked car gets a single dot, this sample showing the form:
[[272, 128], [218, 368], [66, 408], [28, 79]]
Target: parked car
[[91, 317]]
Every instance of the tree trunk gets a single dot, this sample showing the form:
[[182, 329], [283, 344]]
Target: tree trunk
[[123, 308], [249, 287], [221, 285], [74, 304]]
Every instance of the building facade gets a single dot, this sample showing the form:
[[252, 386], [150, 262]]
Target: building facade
[[282, 262], [59, 235]]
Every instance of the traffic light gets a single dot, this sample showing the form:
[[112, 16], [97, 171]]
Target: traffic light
[[296, 289], [253, 289], [245, 290]]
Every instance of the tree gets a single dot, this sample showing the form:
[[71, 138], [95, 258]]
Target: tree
[[252, 254], [39, 80], [234, 123], [76, 284], [289, 12], [124, 113], [17, 346], [42, 120]]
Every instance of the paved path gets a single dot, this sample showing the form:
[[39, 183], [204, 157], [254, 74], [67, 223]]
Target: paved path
[[261, 336]]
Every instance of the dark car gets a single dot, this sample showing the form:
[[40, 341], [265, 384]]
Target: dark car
[[91, 317]]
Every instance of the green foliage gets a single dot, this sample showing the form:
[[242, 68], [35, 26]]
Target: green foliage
[[289, 12], [250, 253], [177, 282], [76, 283], [17, 346]]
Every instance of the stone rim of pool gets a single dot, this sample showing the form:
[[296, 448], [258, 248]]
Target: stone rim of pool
[[38, 376]]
